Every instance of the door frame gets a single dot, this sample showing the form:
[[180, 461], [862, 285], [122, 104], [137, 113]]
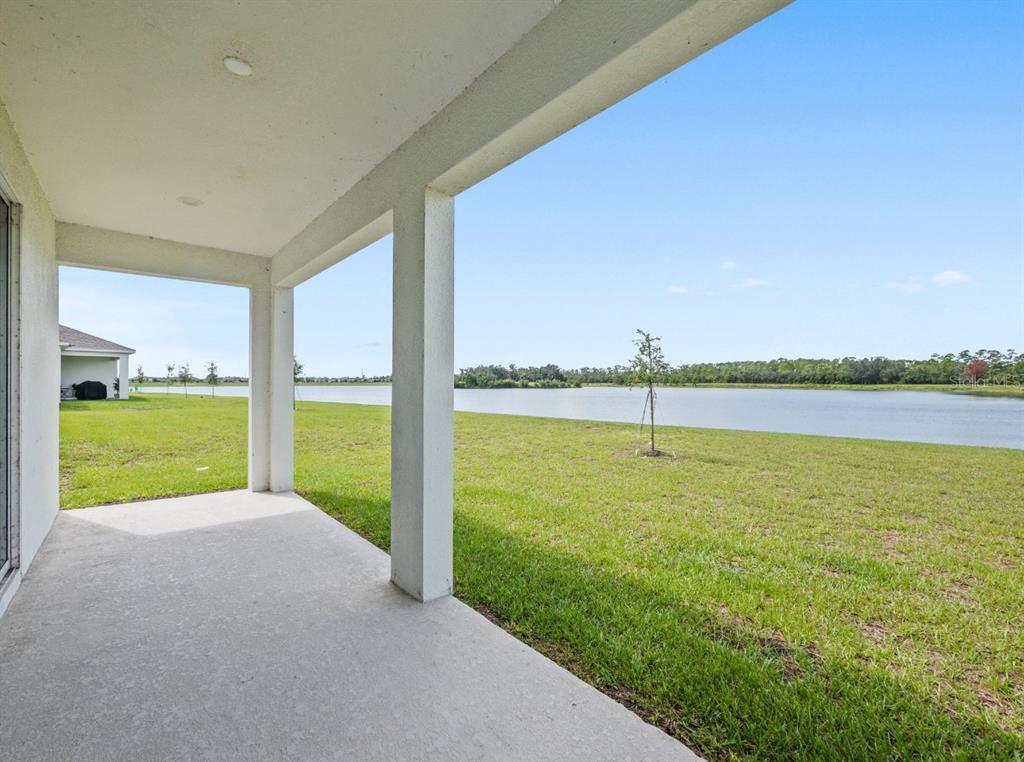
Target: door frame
[[9, 574]]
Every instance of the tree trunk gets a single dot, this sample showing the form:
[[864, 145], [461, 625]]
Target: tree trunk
[[650, 391]]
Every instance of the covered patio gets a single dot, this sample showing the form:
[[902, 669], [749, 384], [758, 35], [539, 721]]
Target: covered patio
[[255, 145], [253, 626]]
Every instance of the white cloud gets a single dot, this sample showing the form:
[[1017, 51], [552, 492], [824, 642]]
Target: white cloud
[[750, 283], [909, 286], [950, 278], [678, 290], [916, 283], [728, 265]]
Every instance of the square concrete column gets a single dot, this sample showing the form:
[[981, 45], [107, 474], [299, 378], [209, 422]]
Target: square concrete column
[[122, 377], [423, 367], [271, 380]]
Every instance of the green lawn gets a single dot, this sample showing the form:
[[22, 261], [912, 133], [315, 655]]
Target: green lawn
[[760, 596]]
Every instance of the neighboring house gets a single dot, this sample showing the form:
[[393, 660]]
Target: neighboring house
[[84, 357]]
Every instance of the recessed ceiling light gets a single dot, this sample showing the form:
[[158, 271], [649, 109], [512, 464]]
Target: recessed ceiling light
[[237, 66], [190, 200]]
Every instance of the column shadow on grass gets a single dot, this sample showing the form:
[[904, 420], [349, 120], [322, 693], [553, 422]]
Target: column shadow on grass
[[715, 683]]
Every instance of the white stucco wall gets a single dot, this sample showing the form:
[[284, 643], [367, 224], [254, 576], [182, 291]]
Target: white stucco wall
[[39, 374], [74, 370]]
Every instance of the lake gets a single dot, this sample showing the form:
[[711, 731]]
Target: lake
[[901, 415]]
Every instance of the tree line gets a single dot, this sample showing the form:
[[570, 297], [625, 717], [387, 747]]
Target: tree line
[[513, 377], [983, 366], [966, 367]]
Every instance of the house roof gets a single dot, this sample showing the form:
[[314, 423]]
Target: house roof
[[73, 339]]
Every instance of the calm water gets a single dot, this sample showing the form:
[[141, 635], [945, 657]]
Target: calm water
[[904, 416]]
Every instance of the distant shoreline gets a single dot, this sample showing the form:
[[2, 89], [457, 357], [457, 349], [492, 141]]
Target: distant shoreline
[[980, 390]]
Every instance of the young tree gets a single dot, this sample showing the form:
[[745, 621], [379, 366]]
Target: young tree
[[212, 378], [170, 377], [647, 369], [184, 375], [140, 376]]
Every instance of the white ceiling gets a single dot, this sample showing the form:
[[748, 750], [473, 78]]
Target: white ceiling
[[123, 107]]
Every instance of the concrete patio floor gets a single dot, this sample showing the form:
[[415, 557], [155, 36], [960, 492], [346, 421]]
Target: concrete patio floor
[[253, 626]]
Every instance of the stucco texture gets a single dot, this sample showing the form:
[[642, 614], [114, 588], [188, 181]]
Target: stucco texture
[[36, 329]]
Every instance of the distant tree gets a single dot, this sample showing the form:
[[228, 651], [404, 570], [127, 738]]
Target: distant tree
[[212, 378], [1014, 371], [140, 376], [297, 370], [184, 375], [170, 377], [648, 369], [976, 370]]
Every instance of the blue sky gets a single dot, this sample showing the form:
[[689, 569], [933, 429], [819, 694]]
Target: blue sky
[[842, 179]]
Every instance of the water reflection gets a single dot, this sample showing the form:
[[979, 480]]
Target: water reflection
[[905, 416]]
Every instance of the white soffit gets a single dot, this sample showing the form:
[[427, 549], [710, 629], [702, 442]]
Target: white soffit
[[133, 122]]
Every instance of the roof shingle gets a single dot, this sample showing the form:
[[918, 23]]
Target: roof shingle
[[79, 340]]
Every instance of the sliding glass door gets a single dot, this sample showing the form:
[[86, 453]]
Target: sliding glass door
[[5, 387]]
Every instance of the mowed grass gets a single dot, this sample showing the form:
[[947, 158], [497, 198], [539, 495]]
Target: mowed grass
[[760, 596], [150, 446]]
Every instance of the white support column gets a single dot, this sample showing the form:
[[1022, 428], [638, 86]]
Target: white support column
[[260, 312], [282, 392], [422, 394], [122, 377], [271, 378]]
